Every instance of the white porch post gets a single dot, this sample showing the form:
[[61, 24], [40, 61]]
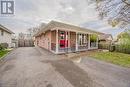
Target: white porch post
[[68, 39], [89, 41], [97, 42], [76, 42], [50, 41], [57, 44]]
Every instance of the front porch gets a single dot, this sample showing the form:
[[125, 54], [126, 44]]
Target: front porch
[[70, 41]]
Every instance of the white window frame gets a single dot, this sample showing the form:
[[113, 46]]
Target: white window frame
[[82, 39]]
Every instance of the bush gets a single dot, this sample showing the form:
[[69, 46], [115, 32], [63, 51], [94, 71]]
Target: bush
[[3, 46]]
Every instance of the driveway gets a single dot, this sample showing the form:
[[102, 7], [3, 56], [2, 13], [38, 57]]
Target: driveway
[[36, 67], [106, 74]]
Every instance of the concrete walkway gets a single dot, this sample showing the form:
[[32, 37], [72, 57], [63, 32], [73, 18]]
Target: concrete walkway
[[36, 67]]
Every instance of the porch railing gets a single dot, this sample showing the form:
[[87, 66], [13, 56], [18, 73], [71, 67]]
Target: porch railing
[[93, 44], [67, 49]]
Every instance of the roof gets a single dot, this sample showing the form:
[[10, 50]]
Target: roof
[[6, 29], [55, 24]]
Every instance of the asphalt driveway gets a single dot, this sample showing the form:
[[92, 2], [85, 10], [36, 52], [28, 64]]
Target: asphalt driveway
[[36, 67]]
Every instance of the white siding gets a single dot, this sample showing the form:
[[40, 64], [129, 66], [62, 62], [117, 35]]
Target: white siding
[[6, 38]]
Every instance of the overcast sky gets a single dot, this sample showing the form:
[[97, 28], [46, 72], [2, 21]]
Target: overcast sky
[[30, 13]]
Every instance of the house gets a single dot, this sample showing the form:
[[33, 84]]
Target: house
[[106, 39], [60, 38], [6, 35]]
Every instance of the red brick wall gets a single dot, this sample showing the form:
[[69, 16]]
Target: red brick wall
[[44, 40]]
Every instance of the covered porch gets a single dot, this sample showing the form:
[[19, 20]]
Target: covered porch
[[63, 41]]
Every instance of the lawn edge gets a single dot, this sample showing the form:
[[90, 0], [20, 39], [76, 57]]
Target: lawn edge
[[109, 62], [3, 57]]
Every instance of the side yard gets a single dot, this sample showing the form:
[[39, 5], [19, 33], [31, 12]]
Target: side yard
[[121, 59]]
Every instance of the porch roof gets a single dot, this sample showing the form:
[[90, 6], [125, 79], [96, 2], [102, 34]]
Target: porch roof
[[55, 24]]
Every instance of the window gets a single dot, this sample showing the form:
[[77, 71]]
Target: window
[[82, 38], [2, 33], [85, 38]]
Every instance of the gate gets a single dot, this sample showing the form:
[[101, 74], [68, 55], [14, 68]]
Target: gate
[[25, 43]]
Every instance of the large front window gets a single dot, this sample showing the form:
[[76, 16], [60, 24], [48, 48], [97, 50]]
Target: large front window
[[82, 39]]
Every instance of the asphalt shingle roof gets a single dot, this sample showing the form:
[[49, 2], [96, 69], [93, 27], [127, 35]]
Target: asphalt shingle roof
[[55, 24]]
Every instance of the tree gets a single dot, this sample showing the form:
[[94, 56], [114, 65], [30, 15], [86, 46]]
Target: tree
[[32, 31], [21, 36], [124, 37], [116, 11], [123, 44]]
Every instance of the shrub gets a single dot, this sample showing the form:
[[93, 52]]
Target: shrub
[[4, 46], [1, 47]]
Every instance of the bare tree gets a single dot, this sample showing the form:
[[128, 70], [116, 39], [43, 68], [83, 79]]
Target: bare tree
[[36, 29], [32, 30], [21, 36], [116, 11]]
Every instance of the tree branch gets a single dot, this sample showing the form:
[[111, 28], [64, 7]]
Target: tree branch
[[125, 1]]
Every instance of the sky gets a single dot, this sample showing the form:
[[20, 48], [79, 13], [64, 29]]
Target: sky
[[31, 13]]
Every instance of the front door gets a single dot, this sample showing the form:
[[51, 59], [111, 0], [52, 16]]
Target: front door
[[63, 39]]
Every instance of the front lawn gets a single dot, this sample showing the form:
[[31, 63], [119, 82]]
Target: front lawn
[[113, 57], [3, 52]]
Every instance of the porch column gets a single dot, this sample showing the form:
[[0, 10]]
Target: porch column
[[89, 41], [97, 42], [57, 42], [68, 39], [76, 42]]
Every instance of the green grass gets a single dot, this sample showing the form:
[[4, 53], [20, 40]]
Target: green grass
[[3, 52], [113, 57]]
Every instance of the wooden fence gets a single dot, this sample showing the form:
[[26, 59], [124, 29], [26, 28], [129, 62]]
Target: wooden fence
[[25, 43], [116, 47]]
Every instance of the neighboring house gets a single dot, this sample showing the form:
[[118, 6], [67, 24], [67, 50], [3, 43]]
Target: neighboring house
[[6, 35], [106, 39], [59, 38]]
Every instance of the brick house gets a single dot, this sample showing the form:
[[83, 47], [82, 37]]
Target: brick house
[[59, 38]]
